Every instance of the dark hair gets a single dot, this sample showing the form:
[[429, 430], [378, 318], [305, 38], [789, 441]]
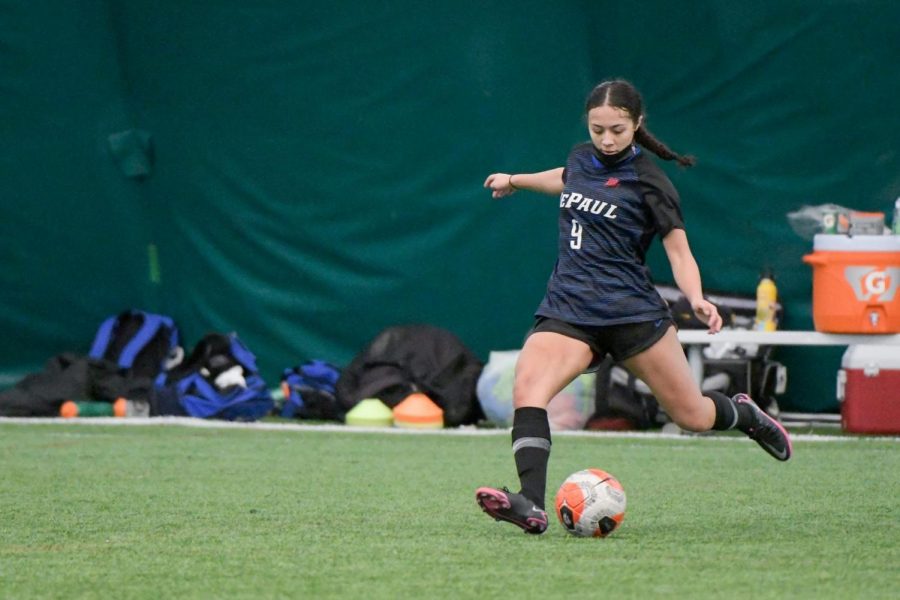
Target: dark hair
[[619, 93]]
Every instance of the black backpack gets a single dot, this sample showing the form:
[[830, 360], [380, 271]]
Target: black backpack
[[142, 344], [415, 358]]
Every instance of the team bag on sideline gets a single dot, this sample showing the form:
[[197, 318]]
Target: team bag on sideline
[[219, 380], [142, 344], [129, 352], [309, 392], [415, 358]]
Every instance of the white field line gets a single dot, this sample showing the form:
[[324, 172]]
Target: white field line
[[462, 431]]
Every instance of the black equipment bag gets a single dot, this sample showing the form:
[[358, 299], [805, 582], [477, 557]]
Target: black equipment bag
[[415, 358]]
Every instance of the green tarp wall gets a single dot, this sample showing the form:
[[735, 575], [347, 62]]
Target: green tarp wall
[[308, 173]]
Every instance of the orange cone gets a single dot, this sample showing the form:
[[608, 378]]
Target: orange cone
[[418, 411]]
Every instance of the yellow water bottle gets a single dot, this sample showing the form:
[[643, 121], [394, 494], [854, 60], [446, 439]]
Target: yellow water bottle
[[766, 303]]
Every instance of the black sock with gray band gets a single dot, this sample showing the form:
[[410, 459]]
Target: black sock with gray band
[[730, 415], [531, 449]]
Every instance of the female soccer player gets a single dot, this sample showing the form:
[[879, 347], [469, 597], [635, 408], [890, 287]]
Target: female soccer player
[[600, 300]]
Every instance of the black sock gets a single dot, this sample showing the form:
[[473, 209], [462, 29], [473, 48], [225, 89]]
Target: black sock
[[729, 414], [531, 449]]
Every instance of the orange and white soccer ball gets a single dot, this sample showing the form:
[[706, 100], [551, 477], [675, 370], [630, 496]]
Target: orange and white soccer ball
[[590, 503]]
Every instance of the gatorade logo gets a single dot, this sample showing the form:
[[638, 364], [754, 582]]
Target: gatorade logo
[[871, 281], [875, 282]]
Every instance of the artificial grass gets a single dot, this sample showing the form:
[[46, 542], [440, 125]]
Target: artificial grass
[[169, 511]]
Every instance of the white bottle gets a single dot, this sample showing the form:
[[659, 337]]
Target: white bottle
[[896, 222]]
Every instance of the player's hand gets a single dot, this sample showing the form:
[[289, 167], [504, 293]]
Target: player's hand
[[499, 185], [708, 313]]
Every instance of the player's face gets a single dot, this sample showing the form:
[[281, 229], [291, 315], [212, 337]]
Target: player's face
[[612, 129]]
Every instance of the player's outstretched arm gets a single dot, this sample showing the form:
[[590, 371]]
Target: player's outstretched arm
[[687, 277], [545, 182]]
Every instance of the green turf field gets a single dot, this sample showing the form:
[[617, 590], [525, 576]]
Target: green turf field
[[172, 511]]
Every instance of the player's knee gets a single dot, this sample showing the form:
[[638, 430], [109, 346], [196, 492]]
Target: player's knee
[[526, 391], [693, 416], [523, 393]]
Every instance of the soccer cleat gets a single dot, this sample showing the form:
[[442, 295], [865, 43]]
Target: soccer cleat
[[504, 505], [766, 431]]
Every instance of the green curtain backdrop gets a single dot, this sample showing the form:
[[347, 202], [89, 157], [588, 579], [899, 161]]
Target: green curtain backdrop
[[308, 173]]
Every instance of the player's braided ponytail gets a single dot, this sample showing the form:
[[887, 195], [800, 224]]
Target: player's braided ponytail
[[646, 139], [621, 94]]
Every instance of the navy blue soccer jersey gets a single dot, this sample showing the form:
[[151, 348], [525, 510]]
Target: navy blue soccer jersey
[[609, 213]]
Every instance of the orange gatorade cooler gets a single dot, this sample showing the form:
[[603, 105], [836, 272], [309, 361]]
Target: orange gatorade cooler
[[855, 282], [868, 388]]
